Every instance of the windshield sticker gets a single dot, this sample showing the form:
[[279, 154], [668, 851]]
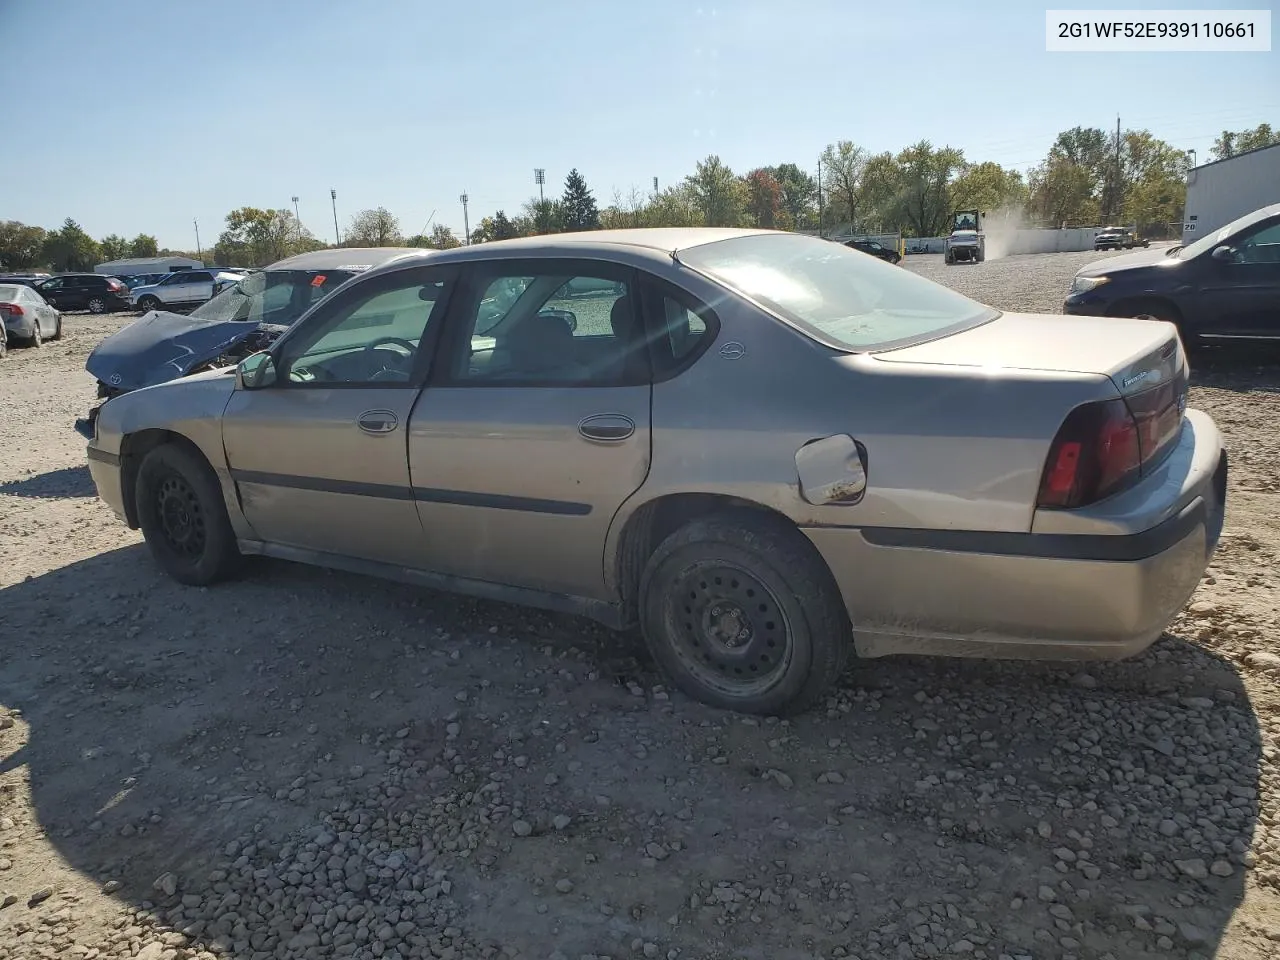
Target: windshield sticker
[[318, 280]]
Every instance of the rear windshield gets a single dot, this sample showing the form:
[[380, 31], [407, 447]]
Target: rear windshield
[[9, 293], [272, 296], [834, 293]]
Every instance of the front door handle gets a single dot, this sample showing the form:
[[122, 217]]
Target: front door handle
[[377, 421], [606, 427]]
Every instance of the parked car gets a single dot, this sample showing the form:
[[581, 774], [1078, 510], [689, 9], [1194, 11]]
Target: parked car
[[875, 249], [1117, 238], [142, 280], [1224, 287], [184, 288], [94, 292], [26, 316], [248, 315], [926, 474]]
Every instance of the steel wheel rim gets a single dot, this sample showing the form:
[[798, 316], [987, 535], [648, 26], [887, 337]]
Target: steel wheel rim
[[180, 518], [728, 629]]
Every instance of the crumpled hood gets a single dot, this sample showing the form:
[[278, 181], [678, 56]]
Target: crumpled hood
[[163, 346]]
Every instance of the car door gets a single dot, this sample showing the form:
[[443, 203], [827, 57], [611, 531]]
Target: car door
[[1242, 292], [58, 292], [535, 426], [198, 286], [319, 456], [45, 315]]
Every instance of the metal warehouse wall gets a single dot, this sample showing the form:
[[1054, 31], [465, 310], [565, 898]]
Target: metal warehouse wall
[[1219, 192]]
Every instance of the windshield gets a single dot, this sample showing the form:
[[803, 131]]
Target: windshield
[[272, 296], [834, 293], [1211, 240]]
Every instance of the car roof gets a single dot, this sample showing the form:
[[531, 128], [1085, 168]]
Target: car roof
[[343, 258]]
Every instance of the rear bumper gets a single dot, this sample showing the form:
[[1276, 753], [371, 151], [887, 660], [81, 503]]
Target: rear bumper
[[23, 327], [1032, 595]]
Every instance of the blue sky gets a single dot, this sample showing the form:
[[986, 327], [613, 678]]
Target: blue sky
[[145, 114]]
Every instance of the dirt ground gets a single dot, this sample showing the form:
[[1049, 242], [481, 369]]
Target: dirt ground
[[307, 764]]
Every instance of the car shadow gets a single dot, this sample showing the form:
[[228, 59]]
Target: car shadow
[[53, 485], [1248, 369], [199, 733]]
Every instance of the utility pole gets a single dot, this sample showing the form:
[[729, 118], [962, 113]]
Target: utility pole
[[1119, 192], [540, 177], [466, 222], [199, 251], [820, 211], [297, 216]]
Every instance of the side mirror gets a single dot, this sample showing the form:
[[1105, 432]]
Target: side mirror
[[256, 371], [1224, 253]]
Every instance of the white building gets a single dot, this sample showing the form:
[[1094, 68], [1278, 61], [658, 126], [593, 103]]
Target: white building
[[137, 266], [1220, 191]]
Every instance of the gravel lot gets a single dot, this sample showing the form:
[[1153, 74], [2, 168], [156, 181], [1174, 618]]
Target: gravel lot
[[306, 764]]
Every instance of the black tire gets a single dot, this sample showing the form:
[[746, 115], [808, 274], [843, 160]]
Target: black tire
[[183, 516], [35, 340], [148, 303], [4, 347], [57, 330], [97, 305], [761, 578]]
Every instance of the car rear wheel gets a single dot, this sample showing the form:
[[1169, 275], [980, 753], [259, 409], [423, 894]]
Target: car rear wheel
[[97, 305], [742, 614], [57, 328], [35, 340], [149, 303], [183, 516]]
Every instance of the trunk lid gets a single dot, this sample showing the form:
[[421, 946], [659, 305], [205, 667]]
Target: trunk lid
[[1136, 354]]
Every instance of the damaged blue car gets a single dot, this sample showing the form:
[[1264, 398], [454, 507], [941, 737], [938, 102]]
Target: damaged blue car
[[242, 319]]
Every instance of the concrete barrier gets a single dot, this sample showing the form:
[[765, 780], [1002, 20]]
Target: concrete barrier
[[1021, 241]]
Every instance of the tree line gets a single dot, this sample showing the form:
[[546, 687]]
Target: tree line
[[1090, 176]]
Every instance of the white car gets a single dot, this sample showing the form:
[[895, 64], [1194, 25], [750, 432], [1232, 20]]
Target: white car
[[183, 288], [26, 317]]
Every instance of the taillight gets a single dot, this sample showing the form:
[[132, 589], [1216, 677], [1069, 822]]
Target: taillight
[[115, 286], [1095, 453], [12, 309], [1103, 447]]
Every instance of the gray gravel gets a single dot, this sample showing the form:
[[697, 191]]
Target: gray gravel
[[314, 765]]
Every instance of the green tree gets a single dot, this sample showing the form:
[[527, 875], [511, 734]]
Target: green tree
[[843, 164], [799, 193], [71, 248], [503, 227], [144, 245], [21, 246], [988, 187], [764, 198], [1154, 178], [373, 228], [1232, 142], [442, 238], [1063, 190], [717, 193], [114, 247], [541, 217], [913, 189], [578, 205], [677, 206], [255, 237]]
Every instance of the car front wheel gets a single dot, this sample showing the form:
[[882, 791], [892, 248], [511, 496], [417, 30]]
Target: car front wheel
[[148, 303], [742, 614], [183, 516]]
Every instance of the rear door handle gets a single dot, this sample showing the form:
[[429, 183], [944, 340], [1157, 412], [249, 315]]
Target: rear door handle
[[606, 427], [377, 421]]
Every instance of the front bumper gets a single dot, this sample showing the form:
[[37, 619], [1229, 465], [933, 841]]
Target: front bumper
[[104, 467], [1033, 596], [1089, 304]]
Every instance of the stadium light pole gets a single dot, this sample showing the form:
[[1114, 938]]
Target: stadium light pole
[[466, 222], [333, 197], [540, 178]]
